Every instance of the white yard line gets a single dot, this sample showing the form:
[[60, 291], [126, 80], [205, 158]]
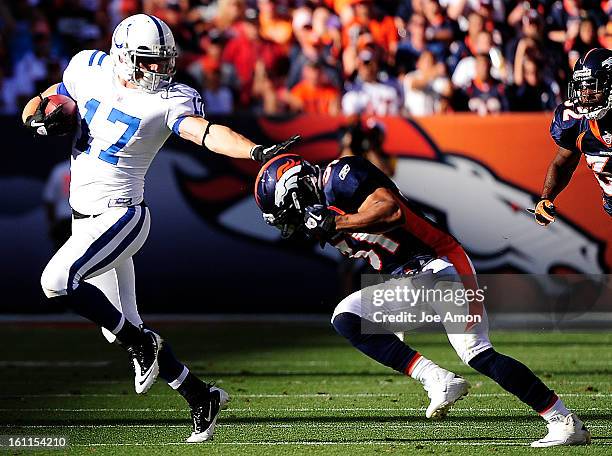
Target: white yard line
[[313, 395], [428, 425], [249, 425], [311, 443], [329, 381], [289, 409], [288, 396]]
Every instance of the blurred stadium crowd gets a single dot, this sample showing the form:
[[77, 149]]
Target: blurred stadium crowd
[[384, 57]]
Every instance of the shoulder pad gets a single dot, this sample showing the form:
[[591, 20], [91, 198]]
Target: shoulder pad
[[566, 126], [178, 91], [89, 58]]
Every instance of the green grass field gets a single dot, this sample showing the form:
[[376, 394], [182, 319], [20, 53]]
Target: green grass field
[[295, 388]]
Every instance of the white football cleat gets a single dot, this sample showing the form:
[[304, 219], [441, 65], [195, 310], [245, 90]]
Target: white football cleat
[[444, 388], [204, 415], [567, 431]]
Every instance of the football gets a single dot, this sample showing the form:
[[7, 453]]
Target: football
[[69, 108]]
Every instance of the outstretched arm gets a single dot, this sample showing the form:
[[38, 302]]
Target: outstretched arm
[[219, 139], [560, 173], [225, 141]]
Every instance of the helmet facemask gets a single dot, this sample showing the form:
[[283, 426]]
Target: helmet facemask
[[289, 217], [591, 95], [151, 70]]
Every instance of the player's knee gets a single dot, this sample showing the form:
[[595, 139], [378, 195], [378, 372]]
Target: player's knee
[[350, 304], [54, 282], [464, 353], [347, 324], [469, 346]]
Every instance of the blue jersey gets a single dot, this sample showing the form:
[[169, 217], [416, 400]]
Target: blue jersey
[[593, 138], [347, 182]]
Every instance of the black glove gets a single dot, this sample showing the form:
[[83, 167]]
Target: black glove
[[320, 222], [48, 125], [262, 155]]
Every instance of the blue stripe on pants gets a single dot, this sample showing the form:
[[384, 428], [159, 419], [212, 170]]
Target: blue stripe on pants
[[123, 245], [98, 245]]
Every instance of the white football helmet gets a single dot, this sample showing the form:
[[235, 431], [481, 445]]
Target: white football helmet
[[144, 52]]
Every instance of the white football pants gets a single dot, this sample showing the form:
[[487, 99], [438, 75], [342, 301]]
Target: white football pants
[[468, 343], [100, 252]]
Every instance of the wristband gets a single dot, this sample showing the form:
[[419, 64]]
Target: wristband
[[254, 153]]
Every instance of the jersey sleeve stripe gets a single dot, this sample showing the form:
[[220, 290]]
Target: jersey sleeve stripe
[[177, 123], [62, 90], [579, 140], [93, 56], [162, 41], [101, 59], [336, 210]]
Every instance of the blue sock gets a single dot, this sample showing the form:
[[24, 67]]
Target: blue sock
[[89, 302], [514, 377], [170, 368], [387, 349]]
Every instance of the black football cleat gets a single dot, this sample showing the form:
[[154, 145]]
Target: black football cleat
[[145, 360], [204, 414]]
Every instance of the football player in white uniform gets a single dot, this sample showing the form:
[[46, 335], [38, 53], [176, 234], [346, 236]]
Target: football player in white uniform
[[128, 106]]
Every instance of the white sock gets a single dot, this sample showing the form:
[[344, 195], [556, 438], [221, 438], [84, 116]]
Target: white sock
[[180, 379], [421, 368], [119, 326], [555, 412]]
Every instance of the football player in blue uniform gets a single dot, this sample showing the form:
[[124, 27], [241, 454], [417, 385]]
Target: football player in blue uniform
[[582, 125], [356, 208]]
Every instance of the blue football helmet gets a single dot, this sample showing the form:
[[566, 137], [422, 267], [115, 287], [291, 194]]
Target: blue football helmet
[[590, 88], [284, 187]]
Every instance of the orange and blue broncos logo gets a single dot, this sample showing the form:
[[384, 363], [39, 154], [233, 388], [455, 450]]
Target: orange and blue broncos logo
[[486, 213]]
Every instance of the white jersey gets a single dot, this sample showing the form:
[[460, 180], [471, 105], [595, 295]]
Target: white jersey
[[122, 130], [371, 98]]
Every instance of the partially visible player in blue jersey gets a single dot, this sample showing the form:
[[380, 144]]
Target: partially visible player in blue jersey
[[582, 125], [356, 208]]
